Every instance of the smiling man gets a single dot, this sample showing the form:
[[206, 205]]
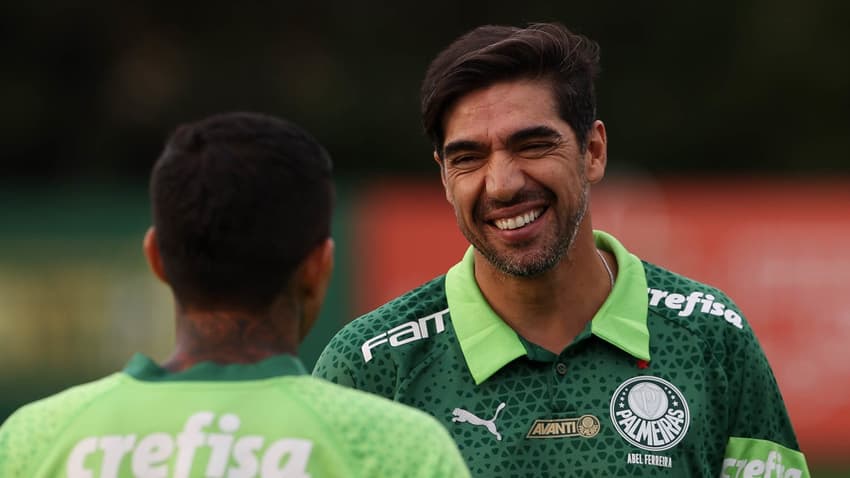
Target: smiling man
[[550, 349]]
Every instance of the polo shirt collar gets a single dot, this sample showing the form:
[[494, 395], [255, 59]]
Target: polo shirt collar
[[488, 343], [143, 368]]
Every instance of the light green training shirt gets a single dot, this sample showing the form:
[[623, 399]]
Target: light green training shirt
[[267, 419]]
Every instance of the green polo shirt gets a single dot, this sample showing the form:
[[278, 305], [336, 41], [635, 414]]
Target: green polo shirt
[[268, 419], [666, 380]]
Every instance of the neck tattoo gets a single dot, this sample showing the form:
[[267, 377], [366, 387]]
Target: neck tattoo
[[607, 268]]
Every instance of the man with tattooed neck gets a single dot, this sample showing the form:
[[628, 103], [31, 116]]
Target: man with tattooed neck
[[241, 234]]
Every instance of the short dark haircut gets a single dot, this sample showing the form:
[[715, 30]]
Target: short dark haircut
[[238, 200], [491, 54]]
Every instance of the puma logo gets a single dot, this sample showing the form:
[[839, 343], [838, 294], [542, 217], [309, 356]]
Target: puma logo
[[464, 416]]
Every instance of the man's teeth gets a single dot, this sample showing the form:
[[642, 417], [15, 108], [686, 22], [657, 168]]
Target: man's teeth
[[517, 222]]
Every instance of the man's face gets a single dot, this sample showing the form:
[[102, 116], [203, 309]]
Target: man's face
[[515, 175]]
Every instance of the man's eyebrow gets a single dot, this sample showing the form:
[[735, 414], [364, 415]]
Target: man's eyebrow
[[461, 145], [533, 132]]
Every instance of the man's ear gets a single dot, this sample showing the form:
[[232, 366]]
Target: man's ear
[[313, 276], [442, 165], [597, 152], [151, 250]]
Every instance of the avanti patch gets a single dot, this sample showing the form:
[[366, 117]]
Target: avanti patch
[[585, 426]]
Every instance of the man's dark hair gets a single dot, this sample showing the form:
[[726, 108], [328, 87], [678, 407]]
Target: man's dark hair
[[239, 199], [490, 54]]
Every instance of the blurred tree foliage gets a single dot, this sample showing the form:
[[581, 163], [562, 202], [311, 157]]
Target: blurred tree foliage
[[90, 89]]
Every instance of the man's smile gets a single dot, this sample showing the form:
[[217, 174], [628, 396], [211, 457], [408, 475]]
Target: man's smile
[[519, 220]]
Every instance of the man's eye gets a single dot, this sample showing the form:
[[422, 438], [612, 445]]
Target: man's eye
[[462, 159], [532, 147]]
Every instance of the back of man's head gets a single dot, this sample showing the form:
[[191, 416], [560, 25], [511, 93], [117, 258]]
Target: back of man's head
[[238, 201]]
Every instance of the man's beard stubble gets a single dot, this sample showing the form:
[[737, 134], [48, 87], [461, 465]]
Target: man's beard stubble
[[545, 260]]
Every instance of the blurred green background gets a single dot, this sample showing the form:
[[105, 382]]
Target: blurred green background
[[90, 90]]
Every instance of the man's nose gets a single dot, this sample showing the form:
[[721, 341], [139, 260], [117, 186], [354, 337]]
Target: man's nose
[[505, 177]]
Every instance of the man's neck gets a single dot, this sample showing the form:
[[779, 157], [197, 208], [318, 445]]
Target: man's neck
[[228, 337], [552, 308]]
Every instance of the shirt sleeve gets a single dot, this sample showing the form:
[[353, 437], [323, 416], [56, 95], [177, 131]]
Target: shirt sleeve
[[444, 460], [761, 439], [334, 363], [380, 438], [18, 446], [348, 360]]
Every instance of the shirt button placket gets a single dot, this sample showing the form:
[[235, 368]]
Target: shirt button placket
[[560, 401]]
